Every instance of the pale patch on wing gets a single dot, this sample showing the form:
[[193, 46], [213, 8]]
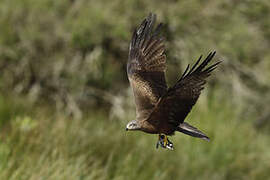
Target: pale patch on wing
[[146, 96]]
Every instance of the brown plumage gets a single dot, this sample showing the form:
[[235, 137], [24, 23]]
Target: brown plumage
[[162, 110]]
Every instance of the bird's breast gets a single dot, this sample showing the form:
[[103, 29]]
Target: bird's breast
[[157, 128]]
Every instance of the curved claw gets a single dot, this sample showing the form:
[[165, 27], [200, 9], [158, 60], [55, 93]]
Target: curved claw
[[169, 145]]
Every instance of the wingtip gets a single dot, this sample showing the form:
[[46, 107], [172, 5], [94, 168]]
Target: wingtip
[[213, 53], [151, 15], [151, 18], [210, 55], [220, 61], [144, 29], [217, 63], [206, 139]]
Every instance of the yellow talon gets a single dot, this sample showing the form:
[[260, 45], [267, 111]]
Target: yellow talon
[[165, 140]]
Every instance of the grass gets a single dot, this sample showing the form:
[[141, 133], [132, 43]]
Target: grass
[[42, 146], [53, 51]]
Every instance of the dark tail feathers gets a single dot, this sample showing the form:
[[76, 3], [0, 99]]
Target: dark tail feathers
[[192, 131]]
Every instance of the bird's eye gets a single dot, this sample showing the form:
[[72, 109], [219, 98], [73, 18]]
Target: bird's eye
[[133, 125]]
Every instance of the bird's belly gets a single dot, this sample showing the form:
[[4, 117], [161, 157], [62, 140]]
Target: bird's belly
[[158, 127], [159, 130], [150, 131], [167, 131]]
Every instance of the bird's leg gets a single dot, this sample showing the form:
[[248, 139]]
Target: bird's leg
[[165, 139], [160, 141], [164, 142]]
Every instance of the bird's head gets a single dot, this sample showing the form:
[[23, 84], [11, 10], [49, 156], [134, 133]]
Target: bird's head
[[133, 125]]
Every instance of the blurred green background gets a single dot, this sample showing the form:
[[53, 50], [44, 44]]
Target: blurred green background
[[65, 98]]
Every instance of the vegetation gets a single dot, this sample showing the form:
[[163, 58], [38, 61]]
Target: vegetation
[[65, 97], [41, 146]]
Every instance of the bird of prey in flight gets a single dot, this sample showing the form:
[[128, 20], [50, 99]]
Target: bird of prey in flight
[[159, 109]]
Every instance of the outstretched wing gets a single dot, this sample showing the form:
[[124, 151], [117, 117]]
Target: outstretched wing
[[146, 66], [175, 105]]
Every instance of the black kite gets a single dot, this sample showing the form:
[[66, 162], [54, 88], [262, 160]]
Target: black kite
[[159, 109]]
